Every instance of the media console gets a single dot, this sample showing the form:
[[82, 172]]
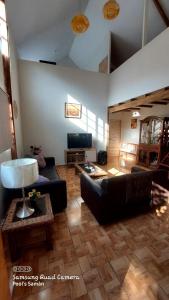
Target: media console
[[73, 156]]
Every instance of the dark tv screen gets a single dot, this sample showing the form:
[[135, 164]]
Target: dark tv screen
[[79, 140]]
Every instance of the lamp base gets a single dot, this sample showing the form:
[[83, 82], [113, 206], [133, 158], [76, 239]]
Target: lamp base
[[24, 212]]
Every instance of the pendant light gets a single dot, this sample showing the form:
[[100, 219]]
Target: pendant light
[[80, 22], [111, 10]]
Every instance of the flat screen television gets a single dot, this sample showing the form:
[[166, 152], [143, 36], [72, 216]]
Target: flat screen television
[[79, 140]]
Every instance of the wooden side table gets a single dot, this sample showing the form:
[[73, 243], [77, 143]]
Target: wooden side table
[[23, 233]]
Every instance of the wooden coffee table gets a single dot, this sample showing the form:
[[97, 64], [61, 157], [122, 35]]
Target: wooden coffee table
[[23, 233], [94, 172]]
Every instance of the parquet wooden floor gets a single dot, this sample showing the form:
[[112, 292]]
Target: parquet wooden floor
[[128, 260]]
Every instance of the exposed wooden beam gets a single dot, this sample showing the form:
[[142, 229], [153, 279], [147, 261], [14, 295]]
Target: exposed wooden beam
[[134, 108], [145, 105], [159, 102], [142, 100], [162, 12]]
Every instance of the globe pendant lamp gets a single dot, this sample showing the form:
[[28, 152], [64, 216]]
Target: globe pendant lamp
[[111, 10], [79, 23]]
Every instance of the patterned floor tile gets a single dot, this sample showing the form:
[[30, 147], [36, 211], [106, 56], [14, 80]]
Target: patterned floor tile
[[127, 260]]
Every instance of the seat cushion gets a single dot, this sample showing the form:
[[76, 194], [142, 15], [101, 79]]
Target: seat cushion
[[42, 179], [138, 188], [49, 172], [115, 189]]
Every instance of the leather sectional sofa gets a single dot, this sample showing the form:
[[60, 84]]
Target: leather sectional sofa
[[56, 188], [121, 196]]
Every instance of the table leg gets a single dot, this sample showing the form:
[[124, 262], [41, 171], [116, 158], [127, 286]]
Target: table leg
[[13, 247]]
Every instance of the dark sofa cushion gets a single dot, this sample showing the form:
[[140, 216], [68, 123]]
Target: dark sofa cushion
[[139, 185], [49, 172], [138, 188], [115, 189], [42, 179], [121, 196]]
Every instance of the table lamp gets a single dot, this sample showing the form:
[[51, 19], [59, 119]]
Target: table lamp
[[19, 173]]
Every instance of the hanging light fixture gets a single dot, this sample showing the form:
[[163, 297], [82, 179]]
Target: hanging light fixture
[[111, 10], [136, 114], [80, 22]]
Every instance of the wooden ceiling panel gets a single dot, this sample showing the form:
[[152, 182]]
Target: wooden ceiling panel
[[146, 105], [159, 102], [159, 97]]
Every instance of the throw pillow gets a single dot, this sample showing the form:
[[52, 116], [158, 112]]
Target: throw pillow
[[42, 179], [37, 153], [41, 161], [99, 181]]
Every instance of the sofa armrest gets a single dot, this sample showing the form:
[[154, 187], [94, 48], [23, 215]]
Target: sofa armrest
[[91, 192], [136, 169], [57, 191], [90, 187], [55, 188], [50, 161]]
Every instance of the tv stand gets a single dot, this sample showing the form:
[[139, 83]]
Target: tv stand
[[80, 155]]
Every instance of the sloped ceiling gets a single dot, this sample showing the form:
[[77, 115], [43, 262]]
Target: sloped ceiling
[[41, 27], [41, 30], [126, 29]]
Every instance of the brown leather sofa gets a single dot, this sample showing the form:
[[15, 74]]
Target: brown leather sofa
[[116, 197]]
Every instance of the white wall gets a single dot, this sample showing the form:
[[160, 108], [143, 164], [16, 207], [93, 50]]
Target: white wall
[[4, 156], [66, 62], [126, 30], [129, 135], [146, 71], [16, 95], [44, 91]]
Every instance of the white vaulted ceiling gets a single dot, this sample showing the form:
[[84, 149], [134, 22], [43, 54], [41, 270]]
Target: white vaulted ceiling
[[41, 27], [41, 30]]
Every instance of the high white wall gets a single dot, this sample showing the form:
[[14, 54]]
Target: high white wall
[[126, 30], [16, 95], [146, 71], [44, 91], [46, 88]]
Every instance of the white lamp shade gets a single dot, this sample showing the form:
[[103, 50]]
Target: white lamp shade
[[19, 173]]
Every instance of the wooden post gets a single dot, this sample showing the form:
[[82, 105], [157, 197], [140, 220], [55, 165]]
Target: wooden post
[[7, 79]]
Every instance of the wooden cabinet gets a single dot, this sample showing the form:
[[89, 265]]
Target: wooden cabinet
[[150, 142], [73, 156], [149, 155]]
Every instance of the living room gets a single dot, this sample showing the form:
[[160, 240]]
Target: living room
[[119, 260]]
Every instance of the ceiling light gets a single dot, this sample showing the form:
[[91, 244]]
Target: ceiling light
[[135, 114], [111, 10], [79, 23]]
